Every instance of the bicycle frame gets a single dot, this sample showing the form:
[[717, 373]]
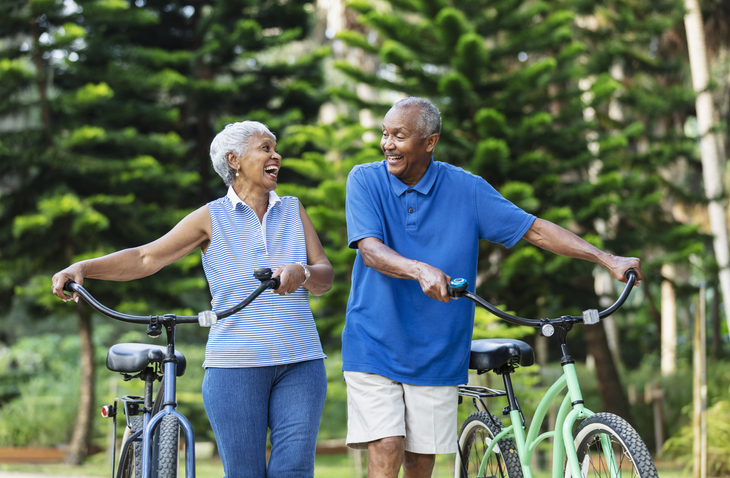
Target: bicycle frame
[[562, 434]]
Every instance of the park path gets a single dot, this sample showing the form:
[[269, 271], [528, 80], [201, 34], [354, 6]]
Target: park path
[[17, 474]]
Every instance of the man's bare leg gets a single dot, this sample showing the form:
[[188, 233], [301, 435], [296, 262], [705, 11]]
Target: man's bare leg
[[385, 457], [417, 465]]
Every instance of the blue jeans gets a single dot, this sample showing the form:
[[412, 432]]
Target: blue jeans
[[242, 403]]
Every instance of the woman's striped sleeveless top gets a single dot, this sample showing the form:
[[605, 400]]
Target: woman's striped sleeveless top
[[273, 329]]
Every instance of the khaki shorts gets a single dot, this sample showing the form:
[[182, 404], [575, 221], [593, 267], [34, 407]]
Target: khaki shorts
[[378, 407]]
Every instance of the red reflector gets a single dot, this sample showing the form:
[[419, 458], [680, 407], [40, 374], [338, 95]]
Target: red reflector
[[106, 411]]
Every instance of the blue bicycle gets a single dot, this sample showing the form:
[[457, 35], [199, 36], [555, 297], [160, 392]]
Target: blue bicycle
[[150, 444]]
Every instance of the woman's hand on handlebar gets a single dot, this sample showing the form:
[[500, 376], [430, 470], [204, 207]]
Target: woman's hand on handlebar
[[291, 277], [619, 266], [72, 272]]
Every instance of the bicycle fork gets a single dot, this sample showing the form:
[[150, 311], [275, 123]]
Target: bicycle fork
[[168, 408]]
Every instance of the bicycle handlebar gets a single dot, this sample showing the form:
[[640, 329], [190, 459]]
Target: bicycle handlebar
[[457, 288], [205, 318]]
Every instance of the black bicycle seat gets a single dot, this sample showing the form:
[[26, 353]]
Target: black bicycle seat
[[488, 354], [133, 358]]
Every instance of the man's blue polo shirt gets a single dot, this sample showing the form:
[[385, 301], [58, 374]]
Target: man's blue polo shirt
[[392, 328]]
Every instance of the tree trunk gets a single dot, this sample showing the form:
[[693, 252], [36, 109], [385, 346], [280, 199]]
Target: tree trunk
[[711, 165], [78, 448], [669, 322], [609, 384]]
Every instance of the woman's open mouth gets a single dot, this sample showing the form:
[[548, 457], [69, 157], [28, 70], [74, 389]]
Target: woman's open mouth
[[272, 170]]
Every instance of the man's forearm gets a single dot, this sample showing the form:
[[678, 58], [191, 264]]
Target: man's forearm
[[385, 260]]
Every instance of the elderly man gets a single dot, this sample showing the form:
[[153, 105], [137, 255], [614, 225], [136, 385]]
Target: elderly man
[[405, 349]]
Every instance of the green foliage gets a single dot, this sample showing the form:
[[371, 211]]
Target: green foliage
[[680, 446], [317, 178], [38, 381], [531, 100]]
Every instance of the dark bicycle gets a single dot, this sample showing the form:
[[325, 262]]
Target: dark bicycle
[[150, 444]]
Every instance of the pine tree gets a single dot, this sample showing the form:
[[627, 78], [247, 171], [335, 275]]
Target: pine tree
[[137, 92], [524, 88]]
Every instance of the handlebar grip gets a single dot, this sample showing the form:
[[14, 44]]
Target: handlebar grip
[[457, 287], [264, 274], [68, 286], [629, 273]]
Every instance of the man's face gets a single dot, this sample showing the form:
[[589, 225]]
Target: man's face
[[407, 152]]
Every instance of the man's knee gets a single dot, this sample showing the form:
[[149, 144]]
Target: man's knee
[[418, 460], [389, 448]]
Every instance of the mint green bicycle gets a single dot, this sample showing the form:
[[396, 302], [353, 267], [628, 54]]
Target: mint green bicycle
[[602, 445]]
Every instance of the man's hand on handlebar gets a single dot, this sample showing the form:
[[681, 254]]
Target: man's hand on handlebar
[[434, 282]]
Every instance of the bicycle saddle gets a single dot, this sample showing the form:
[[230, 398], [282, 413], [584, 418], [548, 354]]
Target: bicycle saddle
[[133, 358], [487, 354]]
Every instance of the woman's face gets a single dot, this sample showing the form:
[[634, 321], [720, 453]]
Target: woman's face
[[259, 166]]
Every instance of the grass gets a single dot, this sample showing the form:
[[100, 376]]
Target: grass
[[326, 466]]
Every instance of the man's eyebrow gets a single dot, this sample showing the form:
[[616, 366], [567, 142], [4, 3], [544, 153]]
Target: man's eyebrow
[[397, 128]]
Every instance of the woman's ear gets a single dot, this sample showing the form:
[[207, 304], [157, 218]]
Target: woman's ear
[[232, 159]]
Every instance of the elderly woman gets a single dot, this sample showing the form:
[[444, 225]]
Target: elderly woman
[[264, 365]]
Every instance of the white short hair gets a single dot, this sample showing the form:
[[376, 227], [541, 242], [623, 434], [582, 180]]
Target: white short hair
[[233, 138]]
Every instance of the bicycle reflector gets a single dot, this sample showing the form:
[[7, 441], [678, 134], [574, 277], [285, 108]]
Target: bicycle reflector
[[207, 318], [108, 411], [590, 317]]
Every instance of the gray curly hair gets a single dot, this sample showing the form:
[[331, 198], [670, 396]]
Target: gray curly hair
[[233, 138], [429, 121]]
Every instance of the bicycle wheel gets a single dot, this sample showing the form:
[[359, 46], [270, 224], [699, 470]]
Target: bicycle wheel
[[131, 467], [631, 458], [167, 447], [476, 434]]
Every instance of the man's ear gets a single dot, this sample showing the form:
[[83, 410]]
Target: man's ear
[[431, 142]]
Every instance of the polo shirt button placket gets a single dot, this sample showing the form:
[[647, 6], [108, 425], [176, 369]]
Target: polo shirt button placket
[[410, 203]]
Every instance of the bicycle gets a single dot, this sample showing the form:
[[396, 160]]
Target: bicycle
[[604, 444], [150, 442]]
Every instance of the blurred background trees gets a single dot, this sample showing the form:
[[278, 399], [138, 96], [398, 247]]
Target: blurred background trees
[[579, 112]]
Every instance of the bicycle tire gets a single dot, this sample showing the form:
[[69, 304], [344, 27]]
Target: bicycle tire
[[476, 434], [131, 467], [167, 447], [632, 455]]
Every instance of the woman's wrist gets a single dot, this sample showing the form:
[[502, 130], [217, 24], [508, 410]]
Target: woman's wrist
[[307, 273]]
